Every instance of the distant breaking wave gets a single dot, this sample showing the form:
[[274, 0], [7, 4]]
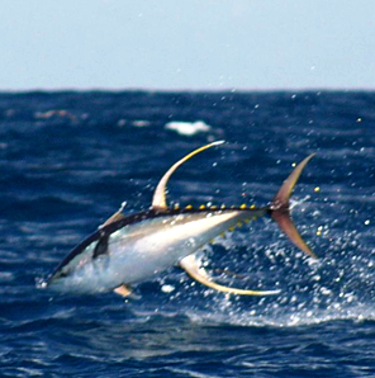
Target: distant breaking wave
[[188, 128]]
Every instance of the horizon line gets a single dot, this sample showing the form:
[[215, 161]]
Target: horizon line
[[184, 90]]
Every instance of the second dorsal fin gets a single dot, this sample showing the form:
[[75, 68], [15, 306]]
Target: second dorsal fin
[[159, 200]]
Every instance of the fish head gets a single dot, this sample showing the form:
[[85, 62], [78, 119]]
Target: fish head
[[84, 270]]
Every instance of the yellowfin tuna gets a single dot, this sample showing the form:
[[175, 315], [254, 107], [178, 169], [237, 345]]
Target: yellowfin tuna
[[129, 249]]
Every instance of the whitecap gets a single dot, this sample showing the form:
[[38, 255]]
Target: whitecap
[[167, 288], [188, 128]]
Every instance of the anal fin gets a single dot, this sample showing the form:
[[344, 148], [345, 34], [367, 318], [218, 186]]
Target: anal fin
[[191, 266]]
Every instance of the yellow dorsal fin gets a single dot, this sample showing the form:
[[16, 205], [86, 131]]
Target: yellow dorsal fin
[[159, 201], [191, 266]]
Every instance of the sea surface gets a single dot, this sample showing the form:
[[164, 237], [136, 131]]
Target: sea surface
[[69, 159]]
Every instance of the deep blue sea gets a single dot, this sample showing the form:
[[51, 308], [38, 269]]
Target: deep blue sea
[[69, 159]]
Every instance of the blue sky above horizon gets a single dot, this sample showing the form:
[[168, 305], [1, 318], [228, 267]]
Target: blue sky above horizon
[[182, 45]]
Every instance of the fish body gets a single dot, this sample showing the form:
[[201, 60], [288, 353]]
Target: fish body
[[143, 245], [128, 249]]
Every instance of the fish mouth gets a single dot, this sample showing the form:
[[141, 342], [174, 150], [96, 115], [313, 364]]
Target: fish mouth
[[53, 280], [54, 277], [44, 282]]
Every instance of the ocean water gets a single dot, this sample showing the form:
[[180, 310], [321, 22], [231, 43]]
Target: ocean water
[[69, 159]]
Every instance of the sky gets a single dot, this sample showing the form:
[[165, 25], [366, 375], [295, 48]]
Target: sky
[[187, 44]]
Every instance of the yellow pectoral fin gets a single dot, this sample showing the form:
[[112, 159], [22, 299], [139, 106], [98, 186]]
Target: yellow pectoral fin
[[123, 291], [191, 266]]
